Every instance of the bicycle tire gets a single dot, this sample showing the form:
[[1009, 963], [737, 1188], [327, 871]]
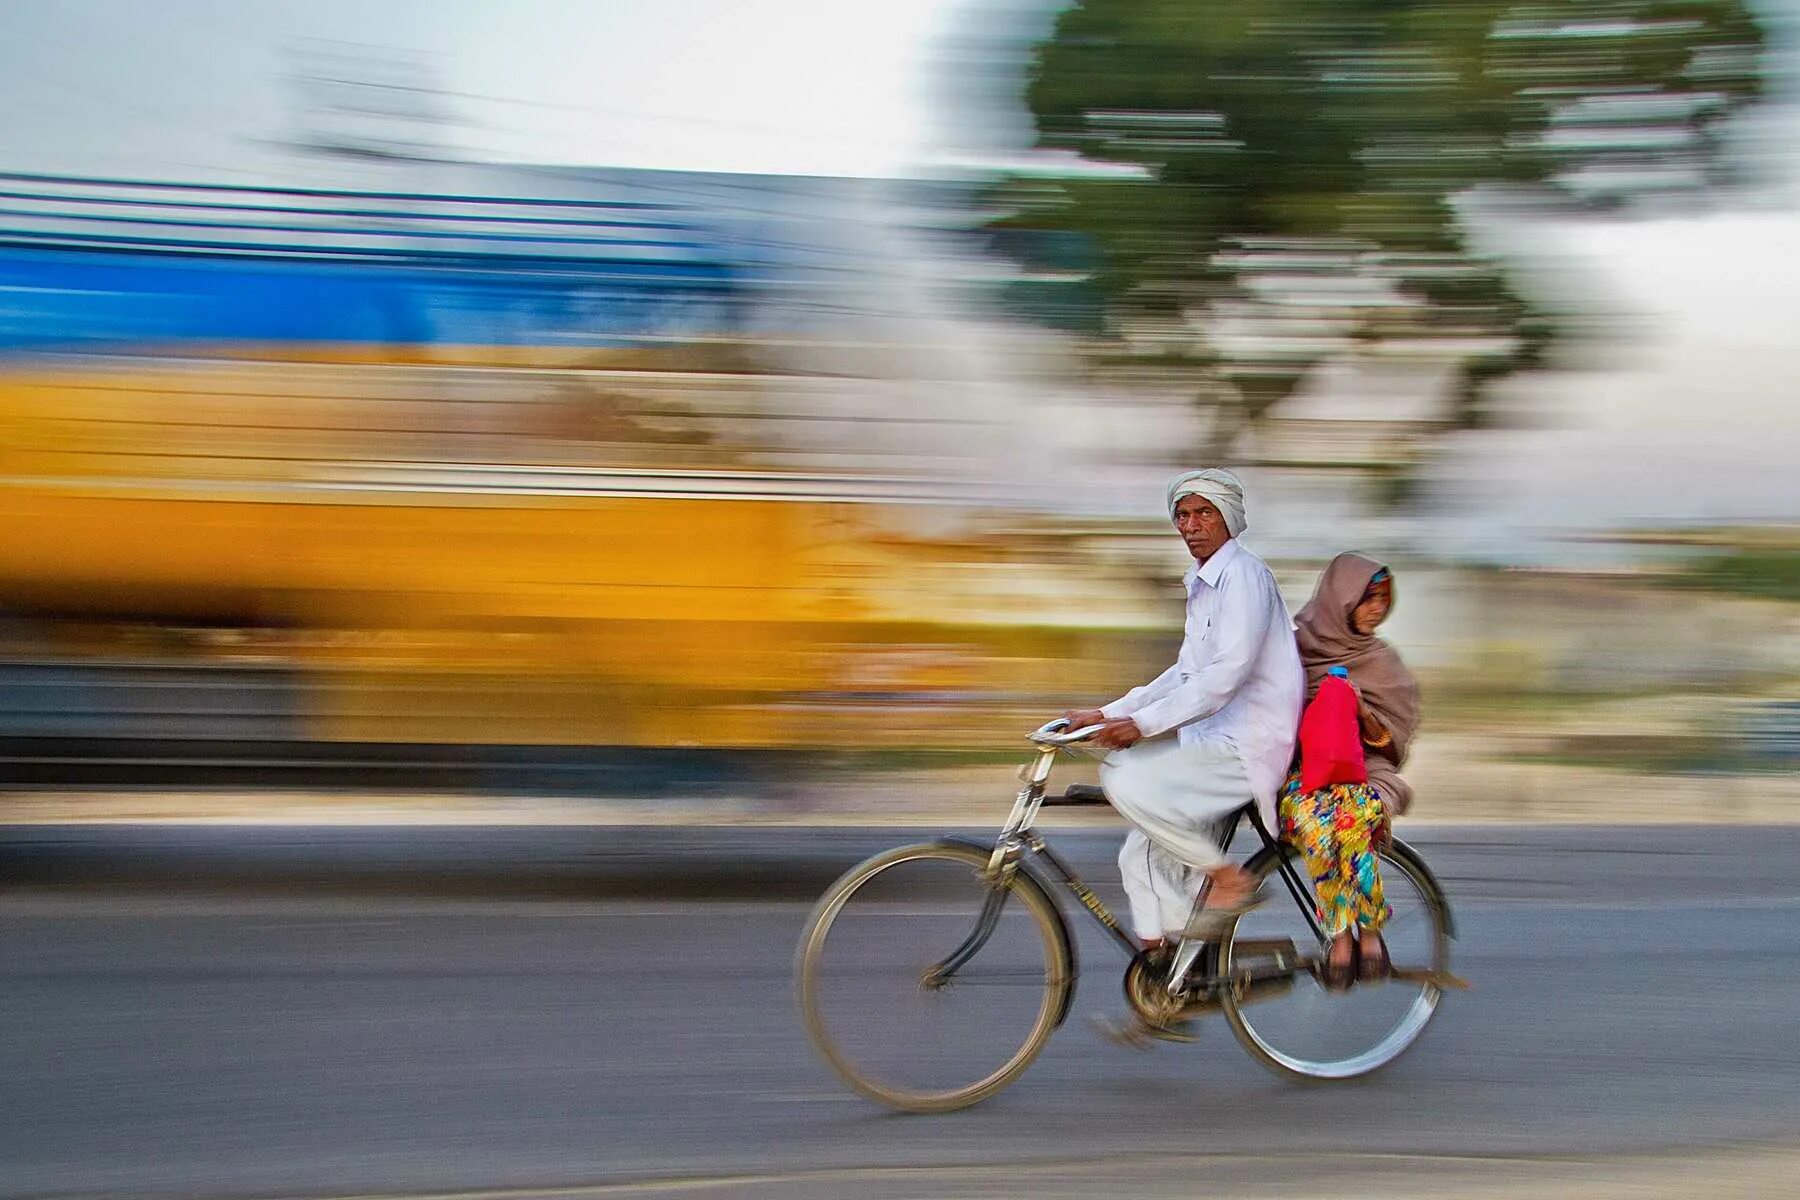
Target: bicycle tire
[[968, 863], [1399, 862]]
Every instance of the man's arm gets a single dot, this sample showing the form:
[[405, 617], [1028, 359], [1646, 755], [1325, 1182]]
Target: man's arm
[[1239, 630], [1119, 732], [1138, 697]]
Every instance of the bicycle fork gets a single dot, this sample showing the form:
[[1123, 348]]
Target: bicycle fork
[[939, 975], [998, 875]]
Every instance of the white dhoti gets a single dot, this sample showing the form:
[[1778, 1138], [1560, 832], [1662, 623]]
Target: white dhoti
[[1175, 795]]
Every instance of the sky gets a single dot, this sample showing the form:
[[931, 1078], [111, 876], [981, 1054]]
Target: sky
[[205, 87], [1685, 415]]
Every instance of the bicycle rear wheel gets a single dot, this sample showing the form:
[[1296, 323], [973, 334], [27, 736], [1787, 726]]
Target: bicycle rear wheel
[[879, 1006], [1300, 1029]]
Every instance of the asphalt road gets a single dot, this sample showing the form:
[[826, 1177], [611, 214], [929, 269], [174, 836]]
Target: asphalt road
[[311, 1013]]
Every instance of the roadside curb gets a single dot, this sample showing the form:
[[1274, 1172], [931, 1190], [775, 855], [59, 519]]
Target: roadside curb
[[850, 808]]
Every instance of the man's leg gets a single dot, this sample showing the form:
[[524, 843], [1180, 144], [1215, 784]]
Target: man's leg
[[1175, 795], [1159, 887]]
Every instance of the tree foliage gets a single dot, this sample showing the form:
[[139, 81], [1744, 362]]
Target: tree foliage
[[1289, 175]]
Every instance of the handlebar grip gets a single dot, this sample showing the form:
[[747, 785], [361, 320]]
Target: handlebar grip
[[1050, 733]]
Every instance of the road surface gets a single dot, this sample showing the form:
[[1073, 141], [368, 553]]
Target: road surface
[[398, 1012]]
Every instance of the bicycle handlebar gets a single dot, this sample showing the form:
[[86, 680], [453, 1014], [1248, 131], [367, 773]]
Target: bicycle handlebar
[[1050, 733]]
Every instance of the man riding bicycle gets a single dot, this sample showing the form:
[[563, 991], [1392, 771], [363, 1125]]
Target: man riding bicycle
[[1232, 699], [892, 944]]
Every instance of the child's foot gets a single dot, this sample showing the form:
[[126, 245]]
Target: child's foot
[[1340, 963], [1372, 958]]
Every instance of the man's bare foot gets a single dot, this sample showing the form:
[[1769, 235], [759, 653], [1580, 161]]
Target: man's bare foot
[[1231, 886], [1230, 892]]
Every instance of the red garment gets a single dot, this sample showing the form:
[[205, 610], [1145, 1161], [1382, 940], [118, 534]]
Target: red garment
[[1331, 748]]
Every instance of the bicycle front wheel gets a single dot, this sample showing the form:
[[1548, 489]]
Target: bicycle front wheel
[[927, 986], [1290, 1022]]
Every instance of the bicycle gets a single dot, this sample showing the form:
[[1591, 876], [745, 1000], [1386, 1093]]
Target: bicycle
[[967, 934]]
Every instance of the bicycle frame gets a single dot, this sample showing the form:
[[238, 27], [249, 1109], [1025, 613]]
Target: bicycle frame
[[1019, 841]]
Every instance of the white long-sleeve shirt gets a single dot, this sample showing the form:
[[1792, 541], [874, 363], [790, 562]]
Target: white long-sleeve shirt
[[1238, 677]]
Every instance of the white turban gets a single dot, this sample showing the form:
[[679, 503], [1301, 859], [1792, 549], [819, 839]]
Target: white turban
[[1221, 487]]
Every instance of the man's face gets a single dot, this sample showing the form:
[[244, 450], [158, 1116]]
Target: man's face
[[1201, 526]]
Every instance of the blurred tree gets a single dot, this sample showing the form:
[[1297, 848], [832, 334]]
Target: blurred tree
[[1286, 175]]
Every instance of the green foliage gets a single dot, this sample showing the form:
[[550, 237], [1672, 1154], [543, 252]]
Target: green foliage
[[1296, 166], [1771, 574]]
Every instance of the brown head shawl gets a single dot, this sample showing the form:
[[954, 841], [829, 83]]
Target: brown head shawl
[[1388, 688]]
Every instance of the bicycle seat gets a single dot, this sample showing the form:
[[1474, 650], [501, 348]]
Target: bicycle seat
[[1079, 793]]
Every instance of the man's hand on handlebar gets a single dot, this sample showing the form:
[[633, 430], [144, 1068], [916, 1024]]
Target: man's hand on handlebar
[[1117, 734], [1081, 718], [1114, 734]]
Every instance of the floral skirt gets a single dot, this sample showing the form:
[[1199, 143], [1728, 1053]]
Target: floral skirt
[[1334, 830]]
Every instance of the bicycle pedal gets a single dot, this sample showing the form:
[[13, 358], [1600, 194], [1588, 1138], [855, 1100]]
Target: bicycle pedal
[[1134, 1033], [1182, 1035], [1126, 1033]]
